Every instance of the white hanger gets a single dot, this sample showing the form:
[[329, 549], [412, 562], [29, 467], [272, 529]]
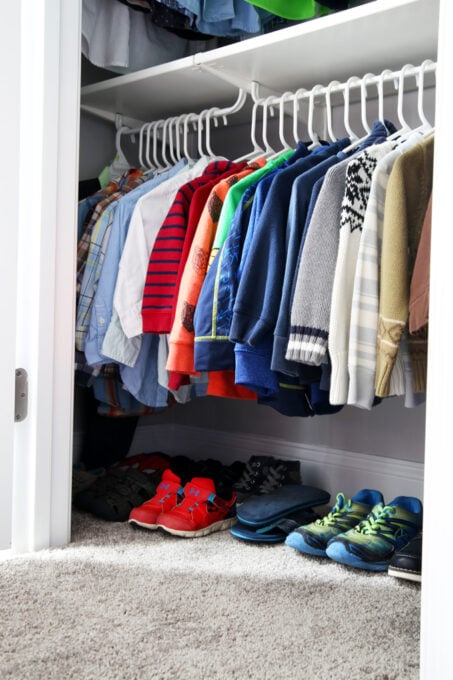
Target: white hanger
[[154, 163], [311, 109], [189, 118], [363, 102], [380, 89], [402, 133], [141, 159], [172, 138], [164, 148], [201, 151], [211, 117], [426, 127], [257, 151], [267, 106], [296, 96], [329, 88], [120, 163], [346, 97], [281, 122]]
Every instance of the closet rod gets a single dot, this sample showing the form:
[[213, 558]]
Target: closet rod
[[356, 82]]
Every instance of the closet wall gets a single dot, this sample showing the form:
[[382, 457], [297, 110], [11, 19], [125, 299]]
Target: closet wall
[[384, 446]]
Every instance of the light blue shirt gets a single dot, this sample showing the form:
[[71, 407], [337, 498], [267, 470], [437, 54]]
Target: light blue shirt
[[102, 308]]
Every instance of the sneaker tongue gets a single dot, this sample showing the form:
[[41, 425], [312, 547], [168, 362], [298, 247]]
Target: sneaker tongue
[[202, 483], [169, 476]]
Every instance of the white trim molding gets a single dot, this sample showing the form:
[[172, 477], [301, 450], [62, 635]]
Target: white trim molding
[[332, 469]]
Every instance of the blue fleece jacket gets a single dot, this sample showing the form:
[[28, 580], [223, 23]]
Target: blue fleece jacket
[[213, 314]]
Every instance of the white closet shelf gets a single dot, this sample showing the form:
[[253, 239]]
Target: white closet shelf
[[337, 46]]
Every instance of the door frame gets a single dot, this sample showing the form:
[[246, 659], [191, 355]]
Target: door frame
[[10, 45], [45, 147]]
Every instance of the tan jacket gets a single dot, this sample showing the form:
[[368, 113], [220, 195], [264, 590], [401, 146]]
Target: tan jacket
[[408, 192]]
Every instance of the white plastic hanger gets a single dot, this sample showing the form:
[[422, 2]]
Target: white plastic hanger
[[346, 104], [210, 117], [189, 118], [329, 88], [141, 149], [282, 100], [363, 113], [405, 128], [153, 131], [257, 151], [316, 89], [281, 121], [267, 108], [426, 128], [296, 96], [380, 88], [120, 163]]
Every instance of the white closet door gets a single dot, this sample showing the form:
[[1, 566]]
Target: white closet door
[[40, 50], [9, 172]]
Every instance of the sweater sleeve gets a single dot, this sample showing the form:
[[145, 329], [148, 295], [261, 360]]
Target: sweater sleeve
[[310, 310], [355, 201]]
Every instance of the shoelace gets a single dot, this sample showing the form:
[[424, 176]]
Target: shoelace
[[382, 523], [196, 509], [340, 510], [273, 479], [246, 477]]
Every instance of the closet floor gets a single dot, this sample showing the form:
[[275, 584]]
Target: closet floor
[[119, 602]]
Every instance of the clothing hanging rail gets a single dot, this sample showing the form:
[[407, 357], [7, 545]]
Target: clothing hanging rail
[[315, 94]]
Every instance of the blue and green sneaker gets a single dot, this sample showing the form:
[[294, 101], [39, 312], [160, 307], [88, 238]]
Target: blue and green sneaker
[[372, 544], [346, 513]]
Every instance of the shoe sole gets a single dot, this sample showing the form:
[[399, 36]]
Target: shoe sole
[[217, 526], [414, 576], [296, 541], [143, 524], [339, 553]]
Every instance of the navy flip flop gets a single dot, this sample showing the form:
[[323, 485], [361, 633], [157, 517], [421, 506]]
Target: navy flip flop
[[275, 532], [261, 511]]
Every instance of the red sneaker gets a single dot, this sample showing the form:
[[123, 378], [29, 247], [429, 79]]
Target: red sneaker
[[168, 494], [201, 511], [151, 463]]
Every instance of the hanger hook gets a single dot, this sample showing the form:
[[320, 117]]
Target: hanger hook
[[329, 88], [267, 107], [420, 78], [380, 88], [363, 101], [190, 117], [281, 119], [298, 94], [346, 104], [402, 76], [140, 145], [207, 139], [159, 124], [311, 109]]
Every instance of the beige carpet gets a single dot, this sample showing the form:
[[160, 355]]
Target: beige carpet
[[125, 604]]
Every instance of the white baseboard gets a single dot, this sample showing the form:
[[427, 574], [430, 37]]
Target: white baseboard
[[331, 469]]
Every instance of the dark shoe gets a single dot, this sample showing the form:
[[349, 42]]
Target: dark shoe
[[407, 562], [263, 474], [113, 496]]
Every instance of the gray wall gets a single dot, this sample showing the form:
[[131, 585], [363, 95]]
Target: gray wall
[[388, 430]]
